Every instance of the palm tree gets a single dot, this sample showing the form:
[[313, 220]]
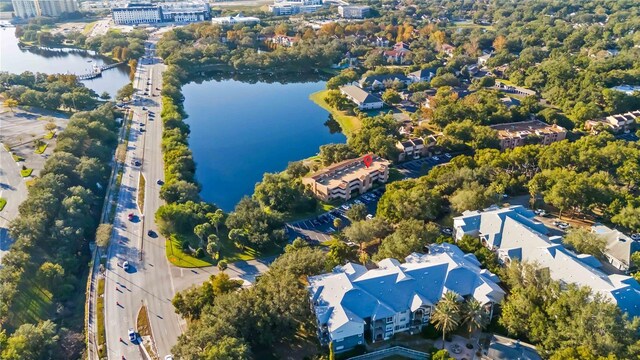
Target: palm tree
[[446, 316], [473, 315]]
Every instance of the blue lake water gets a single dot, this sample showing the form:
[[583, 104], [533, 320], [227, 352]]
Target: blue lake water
[[16, 60], [241, 130]]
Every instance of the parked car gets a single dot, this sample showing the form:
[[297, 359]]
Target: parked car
[[447, 231], [345, 207], [151, 233], [126, 266], [315, 222], [635, 236], [564, 226], [369, 216], [160, 182], [130, 216], [132, 335], [447, 155], [137, 163], [436, 158], [540, 212]]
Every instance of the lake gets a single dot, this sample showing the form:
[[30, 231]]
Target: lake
[[15, 60], [241, 130]]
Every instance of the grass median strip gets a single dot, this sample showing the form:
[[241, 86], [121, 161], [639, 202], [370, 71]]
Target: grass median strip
[[3, 203], [141, 186], [102, 336]]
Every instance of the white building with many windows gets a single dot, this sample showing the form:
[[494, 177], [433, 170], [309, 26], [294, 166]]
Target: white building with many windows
[[353, 305], [137, 13], [147, 13]]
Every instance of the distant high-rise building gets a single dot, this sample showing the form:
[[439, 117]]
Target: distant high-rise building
[[25, 8], [32, 8]]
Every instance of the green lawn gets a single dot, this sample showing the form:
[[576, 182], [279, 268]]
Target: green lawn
[[17, 158], [3, 203], [348, 123], [100, 320], [41, 149], [31, 304], [26, 172], [49, 135], [179, 258], [87, 28]]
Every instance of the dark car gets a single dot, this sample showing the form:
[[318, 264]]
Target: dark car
[[151, 233], [137, 163], [160, 182]]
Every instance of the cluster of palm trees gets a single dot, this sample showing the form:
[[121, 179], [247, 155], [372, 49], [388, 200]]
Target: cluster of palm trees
[[450, 313]]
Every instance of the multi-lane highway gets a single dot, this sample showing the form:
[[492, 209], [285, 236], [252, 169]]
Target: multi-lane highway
[[148, 280]]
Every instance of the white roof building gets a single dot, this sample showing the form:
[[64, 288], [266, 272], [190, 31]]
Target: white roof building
[[395, 297], [232, 20], [515, 234]]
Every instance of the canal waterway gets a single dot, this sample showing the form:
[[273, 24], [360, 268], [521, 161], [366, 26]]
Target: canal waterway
[[16, 60], [240, 130]]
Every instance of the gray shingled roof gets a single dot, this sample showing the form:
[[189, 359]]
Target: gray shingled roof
[[361, 96]]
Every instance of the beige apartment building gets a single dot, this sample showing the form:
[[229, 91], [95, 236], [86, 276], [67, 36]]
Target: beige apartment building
[[347, 178], [516, 134]]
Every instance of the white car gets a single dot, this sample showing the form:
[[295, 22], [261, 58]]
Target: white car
[[540, 212], [369, 216], [125, 266], [168, 357], [132, 335]]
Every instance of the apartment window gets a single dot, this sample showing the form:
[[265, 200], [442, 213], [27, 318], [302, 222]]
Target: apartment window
[[397, 327], [338, 340], [389, 319]]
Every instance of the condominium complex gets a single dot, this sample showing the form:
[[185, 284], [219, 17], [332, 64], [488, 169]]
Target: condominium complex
[[354, 12], [617, 123], [522, 133], [514, 233], [341, 180], [414, 148], [147, 13], [32, 8], [352, 301]]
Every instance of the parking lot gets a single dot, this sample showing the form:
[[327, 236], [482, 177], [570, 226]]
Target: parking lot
[[418, 167], [320, 228], [628, 137]]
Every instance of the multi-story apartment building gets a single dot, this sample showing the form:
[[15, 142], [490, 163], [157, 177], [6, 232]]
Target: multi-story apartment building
[[354, 12], [341, 180], [514, 233], [32, 8], [353, 305], [147, 13], [618, 122], [415, 147], [522, 133]]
